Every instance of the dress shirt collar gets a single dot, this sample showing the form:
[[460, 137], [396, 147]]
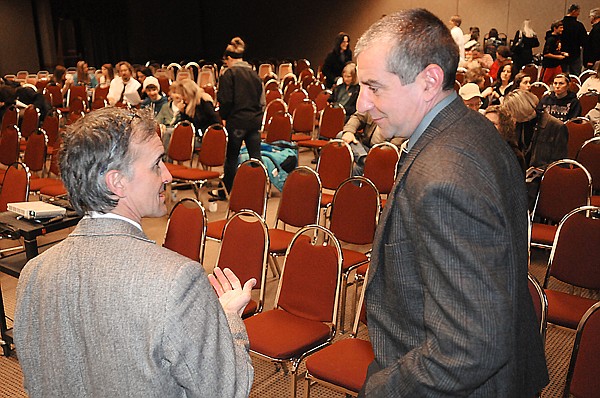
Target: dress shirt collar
[[428, 119], [96, 214]]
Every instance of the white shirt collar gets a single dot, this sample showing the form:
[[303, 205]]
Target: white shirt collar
[[96, 214]]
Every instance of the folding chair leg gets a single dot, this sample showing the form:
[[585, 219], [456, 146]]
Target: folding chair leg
[[307, 385], [273, 266]]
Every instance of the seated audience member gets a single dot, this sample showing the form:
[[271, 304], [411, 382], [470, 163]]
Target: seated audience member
[[478, 76], [107, 312], [108, 74], [124, 88], [83, 76], [471, 96], [492, 42], [561, 103], [592, 83], [553, 56], [502, 58], [474, 57], [542, 138], [169, 113], [503, 80], [195, 106], [361, 133], [594, 116], [154, 100], [522, 81], [346, 93], [472, 35], [505, 125]]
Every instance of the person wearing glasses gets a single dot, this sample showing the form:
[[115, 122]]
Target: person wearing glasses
[[107, 312]]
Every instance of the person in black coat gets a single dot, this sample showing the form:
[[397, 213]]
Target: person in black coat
[[337, 59], [523, 44], [592, 51]]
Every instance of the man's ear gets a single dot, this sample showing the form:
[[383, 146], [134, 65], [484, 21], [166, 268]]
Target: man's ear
[[115, 182], [433, 78]]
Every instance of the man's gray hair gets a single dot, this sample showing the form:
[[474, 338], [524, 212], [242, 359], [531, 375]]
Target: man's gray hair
[[418, 39], [595, 13], [95, 144]]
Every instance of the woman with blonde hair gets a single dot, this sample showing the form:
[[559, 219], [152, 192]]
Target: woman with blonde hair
[[346, 93], [83, 76], [194, 105], [522, 45]]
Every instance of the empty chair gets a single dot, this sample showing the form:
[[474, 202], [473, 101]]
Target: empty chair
[[574, 260], [588, 101], [30, 121], [288, 86], [334, 166], [100, 93], [298, 207], [303, 120], [272, 85], [539, 89], [15, 185], [246, 232], [331, 123], [181, 145], [273, 107], [10, 118], [353, 219], [9, 146], [322, 99], [343, 365], [211, 154], [582, 376], [284, 70], [273, 94], [56, 95], [51, 185], [264, 70], [565, 185], [314, 88], [296, 97], [381, 166], [580, 130], [306, 305], [51, 126], [35, 152], [186, 229], [589, 157], [249, 192], [279, 127]]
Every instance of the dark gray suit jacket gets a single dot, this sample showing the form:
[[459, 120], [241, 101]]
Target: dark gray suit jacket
[[447, 301]]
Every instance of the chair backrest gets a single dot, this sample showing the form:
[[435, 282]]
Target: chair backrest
[[322, 99], [165, 83], [565, 185], [264, 69], [9, 145], [284, 70], [540, 303], [273, 107], [381, 165], [30, 121], [539, 89], [51, 126], [246, 232], [186, 229], [272, 94], [279, 127], [15, 185], [99, 103], [77, 105], [335, 163], [310, 281], [314, 88], [10, 118], [588, 101], [575, 252], [296, 97], [214, 146], [582, 376], [532, 71], [580, 130], [300, 198], [56, 95], [301, 65], [100, 92], [272, 85], [304, 116], [35, 151], [289, 85], [332, 121], [181, 145], [250, 188], [76, 92], [586, 74], [355, 211], [589, 157]]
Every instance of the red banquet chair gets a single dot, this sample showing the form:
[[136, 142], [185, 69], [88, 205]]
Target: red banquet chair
[[306, 304], [186, 229]]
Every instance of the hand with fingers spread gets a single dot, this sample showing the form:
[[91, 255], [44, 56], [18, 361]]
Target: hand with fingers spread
[[232, 296]]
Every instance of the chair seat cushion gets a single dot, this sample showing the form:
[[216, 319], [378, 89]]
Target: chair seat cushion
[[352, 259], [326, 199], [595, 200], [300, 137], [344, 363], [281, 335], [566, 309], [543, 233], [362, 270], [313, 143], [36, 183], [54, 190], [214, 229], [172, 166], [192, 174], [279, 240]]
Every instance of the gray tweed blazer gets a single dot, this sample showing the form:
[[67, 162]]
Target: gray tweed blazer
[[108, 313], [447, 301]]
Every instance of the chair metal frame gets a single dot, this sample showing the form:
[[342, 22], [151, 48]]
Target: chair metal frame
[[202, 243], [538, 294], [294, 361], [333, 174]]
